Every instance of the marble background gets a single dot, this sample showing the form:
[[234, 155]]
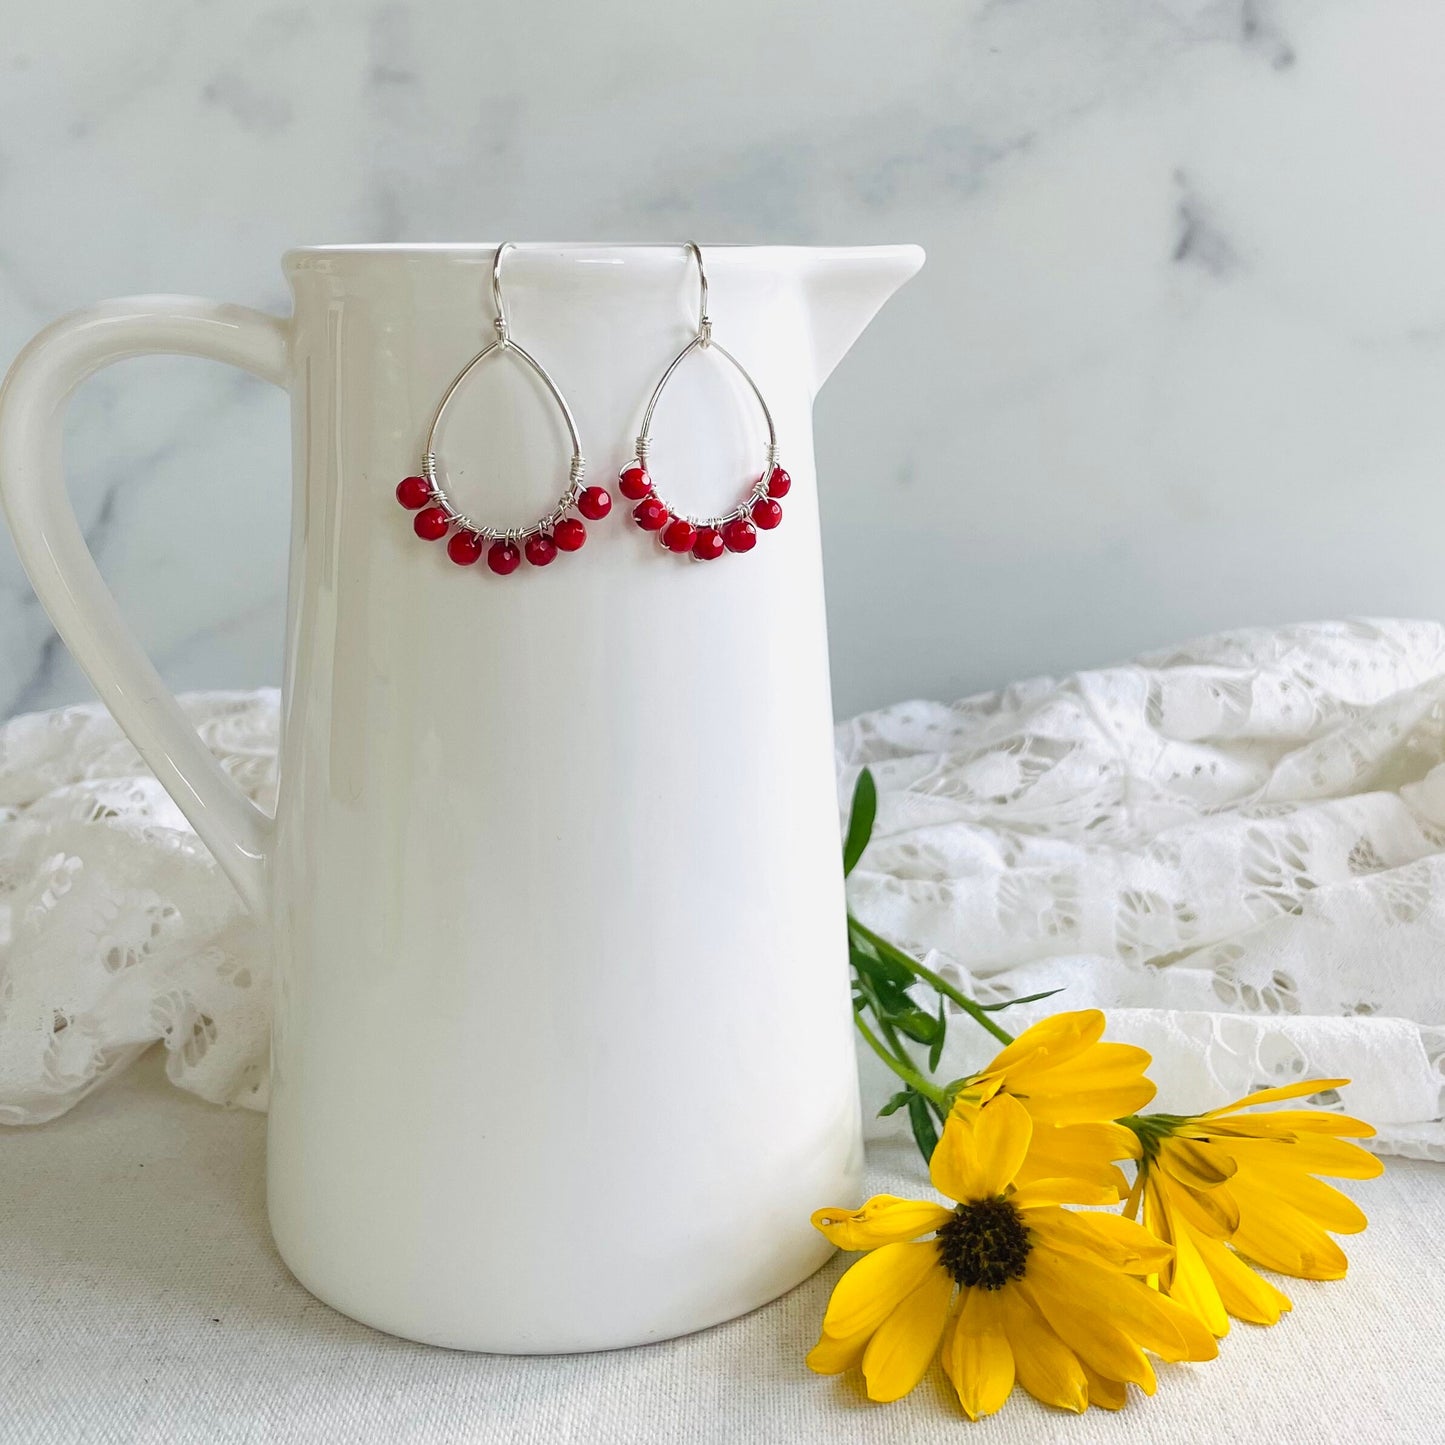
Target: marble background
[[1177, 361]]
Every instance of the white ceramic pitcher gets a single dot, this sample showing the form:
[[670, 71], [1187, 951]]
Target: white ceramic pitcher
[[562, 1056]]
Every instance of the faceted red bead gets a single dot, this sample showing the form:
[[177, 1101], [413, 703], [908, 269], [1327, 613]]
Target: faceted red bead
[[634, 483], [569, 534], [431, 524], [709, 544], [413, 492], [779, 483], [679, 536], [767, 513], [464, 548], [594, 503], [540, 549], [651, 515], [739, 535], [503, 557]]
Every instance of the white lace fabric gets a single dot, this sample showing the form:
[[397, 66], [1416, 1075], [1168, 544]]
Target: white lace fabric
[[117, 928], [1236, 848]]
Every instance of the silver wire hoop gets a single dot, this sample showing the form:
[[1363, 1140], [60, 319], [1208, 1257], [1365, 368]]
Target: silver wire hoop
[[438, 513], [763, 492]]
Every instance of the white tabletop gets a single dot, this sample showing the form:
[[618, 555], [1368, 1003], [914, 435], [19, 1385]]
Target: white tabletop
[[140, 1300]]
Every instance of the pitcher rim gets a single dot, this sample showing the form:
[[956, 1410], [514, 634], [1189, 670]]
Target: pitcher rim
[[300, 257]]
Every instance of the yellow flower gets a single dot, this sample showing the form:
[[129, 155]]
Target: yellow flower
[[1073, 1086], [1011, 1286], [1222, 1185]]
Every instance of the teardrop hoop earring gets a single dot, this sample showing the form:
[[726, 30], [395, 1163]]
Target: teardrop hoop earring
[[678, 531], [437, 514]]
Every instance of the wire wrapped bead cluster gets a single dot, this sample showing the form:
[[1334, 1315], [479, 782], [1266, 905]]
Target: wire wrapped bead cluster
[[702, 538], [705, 539], [469, 541]]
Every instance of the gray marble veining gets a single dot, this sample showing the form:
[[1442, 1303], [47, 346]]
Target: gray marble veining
[[1175, 364]]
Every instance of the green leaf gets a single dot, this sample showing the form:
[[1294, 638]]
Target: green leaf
[[861, 813], [922, 1028], [924, 1133], [935, 1051], [881, 972], [993, 1008], [896, 1103], [880, 948]]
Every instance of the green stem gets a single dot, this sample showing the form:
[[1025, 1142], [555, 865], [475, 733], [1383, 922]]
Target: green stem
[[901, 1066], [890, 1037], [888, 950], [900, 1049]]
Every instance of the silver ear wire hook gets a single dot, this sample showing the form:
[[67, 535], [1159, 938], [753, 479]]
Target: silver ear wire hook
[[500, 321], [704, 322]]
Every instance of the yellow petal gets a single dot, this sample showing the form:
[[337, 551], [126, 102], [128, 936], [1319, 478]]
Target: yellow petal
[[1043, 1192], [976, 1354], [1050, 1041], [831, 1356], [1192, 1284], [1043, 1364], [1196, 1163], [1106, 1082], [1274, 1122], [1275, 1234], [980, 1151], [977, 1091], [1194, 1341], [1099, 1344], [1246, 1295], [1320, 1202], [1103, 1238], [1211, 1211], [1079, 1151], [1104, 1298], [1157, 1217], [884, 1219], [1273, 1096], [903, 1346], [1129, 1305], [1310, 1153], [1107, 1394], [875, 1285]]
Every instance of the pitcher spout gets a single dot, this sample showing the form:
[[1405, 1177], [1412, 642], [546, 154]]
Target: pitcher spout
[[844, 288]]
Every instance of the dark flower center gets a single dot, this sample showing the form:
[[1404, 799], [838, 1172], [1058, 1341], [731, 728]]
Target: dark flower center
[[984, 1244]]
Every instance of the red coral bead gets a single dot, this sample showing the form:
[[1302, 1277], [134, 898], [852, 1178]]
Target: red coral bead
[[709, 544], [767, 513], [779, 483], [651, 515], [464, 548], [413, 492], [739, 535], [431, 524], [634, 483], [679, 536], [503, 557], [594, 503], [540, 549], [569, 534]]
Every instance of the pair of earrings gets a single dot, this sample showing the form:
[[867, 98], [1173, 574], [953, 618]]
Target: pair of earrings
[[702, 538]]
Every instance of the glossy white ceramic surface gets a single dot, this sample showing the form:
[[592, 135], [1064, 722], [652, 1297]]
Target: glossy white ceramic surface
[[562, 1056]]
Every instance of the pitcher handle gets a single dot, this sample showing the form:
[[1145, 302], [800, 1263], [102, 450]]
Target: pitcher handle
[[53, 551]]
